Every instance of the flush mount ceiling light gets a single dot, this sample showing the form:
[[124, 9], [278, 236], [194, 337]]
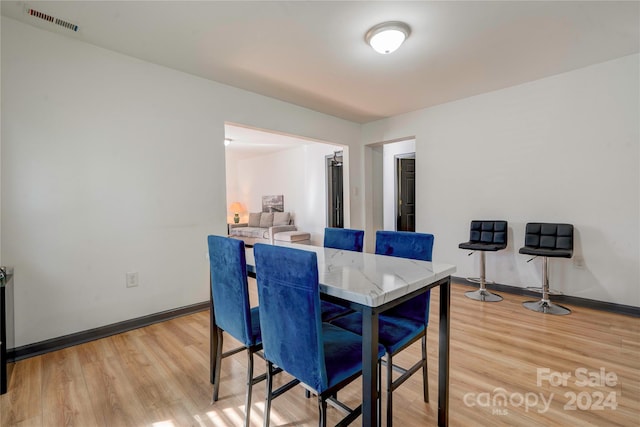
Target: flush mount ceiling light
[[386, 37]]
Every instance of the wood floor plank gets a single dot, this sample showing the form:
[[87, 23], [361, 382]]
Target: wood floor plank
[[64, 390], [23, 400], [159, 375]]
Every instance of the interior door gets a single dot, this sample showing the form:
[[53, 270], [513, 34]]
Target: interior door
[[335, 209], [406, 177]]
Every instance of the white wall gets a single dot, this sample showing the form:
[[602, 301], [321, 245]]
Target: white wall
[[299, 174], [560, 149], [111, 164], [389, 153], [374, 195]]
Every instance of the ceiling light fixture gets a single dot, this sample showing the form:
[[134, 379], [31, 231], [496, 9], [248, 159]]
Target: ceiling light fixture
[[386, 37], [227, 141]]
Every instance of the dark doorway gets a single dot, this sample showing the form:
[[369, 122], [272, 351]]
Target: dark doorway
[[406, 191], [335, 211]]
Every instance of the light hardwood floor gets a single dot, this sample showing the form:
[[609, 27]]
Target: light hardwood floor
[[159, 375]]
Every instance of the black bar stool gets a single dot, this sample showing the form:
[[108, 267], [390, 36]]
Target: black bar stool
[[485, 236], [548, 240]]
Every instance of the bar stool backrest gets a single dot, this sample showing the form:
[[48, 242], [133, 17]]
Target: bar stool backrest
[[549, 239], [489, 232]]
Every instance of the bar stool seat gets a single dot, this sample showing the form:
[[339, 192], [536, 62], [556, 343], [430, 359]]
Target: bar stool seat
[[548, 240], [485, 236]]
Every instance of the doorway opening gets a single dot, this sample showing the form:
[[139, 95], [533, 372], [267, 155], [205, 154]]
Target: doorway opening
[[399, 185], [263, 162], [335, 193], [381, 186]]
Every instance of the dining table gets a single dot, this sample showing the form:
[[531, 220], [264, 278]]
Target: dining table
[[372, 284]]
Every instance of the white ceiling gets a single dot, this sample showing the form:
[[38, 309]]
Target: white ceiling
[[313, 53]]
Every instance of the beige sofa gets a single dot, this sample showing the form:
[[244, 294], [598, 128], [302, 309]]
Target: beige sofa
[[262, 226]]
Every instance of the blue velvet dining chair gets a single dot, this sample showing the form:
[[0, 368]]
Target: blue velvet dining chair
[[233, 315], [345, 239], [321, 356], [405, 323]]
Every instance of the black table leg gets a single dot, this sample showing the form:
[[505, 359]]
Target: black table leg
[[443, 355], [369, 367]]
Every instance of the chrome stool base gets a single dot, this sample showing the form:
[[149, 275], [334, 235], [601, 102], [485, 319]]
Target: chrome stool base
[[483, 295], [539, 290], [546, 307], [479, 280]]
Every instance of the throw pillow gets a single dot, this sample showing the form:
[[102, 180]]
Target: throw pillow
[[254, 219], [281, 218], [266, 219]]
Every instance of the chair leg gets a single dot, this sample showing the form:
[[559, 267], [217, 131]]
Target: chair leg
[[267, 403], [216, 375], [425, 373], [545, 305], [483, 294], [389, 390], [247, 405], [322, 406]]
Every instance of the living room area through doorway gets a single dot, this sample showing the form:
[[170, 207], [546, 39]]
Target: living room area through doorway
[[304, 171]]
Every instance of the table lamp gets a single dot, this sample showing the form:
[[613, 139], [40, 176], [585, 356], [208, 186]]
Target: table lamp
[[236, 208]]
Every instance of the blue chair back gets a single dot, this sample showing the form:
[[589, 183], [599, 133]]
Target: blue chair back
[[229, 287], [406, 244], [290, 314], [344, 238]]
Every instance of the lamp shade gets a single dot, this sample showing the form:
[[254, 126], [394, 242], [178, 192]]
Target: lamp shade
[[387, 37], [236, 207]]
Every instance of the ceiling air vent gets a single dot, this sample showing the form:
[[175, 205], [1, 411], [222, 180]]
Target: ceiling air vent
[[40, 15], [67, 25], [56, 21]]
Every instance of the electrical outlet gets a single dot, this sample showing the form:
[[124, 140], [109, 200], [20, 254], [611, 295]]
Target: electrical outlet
[[132, 279]]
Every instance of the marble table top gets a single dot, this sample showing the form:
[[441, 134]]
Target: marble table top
[[368, 279]]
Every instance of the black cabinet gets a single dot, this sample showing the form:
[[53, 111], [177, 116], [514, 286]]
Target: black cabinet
[[7, 337]]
